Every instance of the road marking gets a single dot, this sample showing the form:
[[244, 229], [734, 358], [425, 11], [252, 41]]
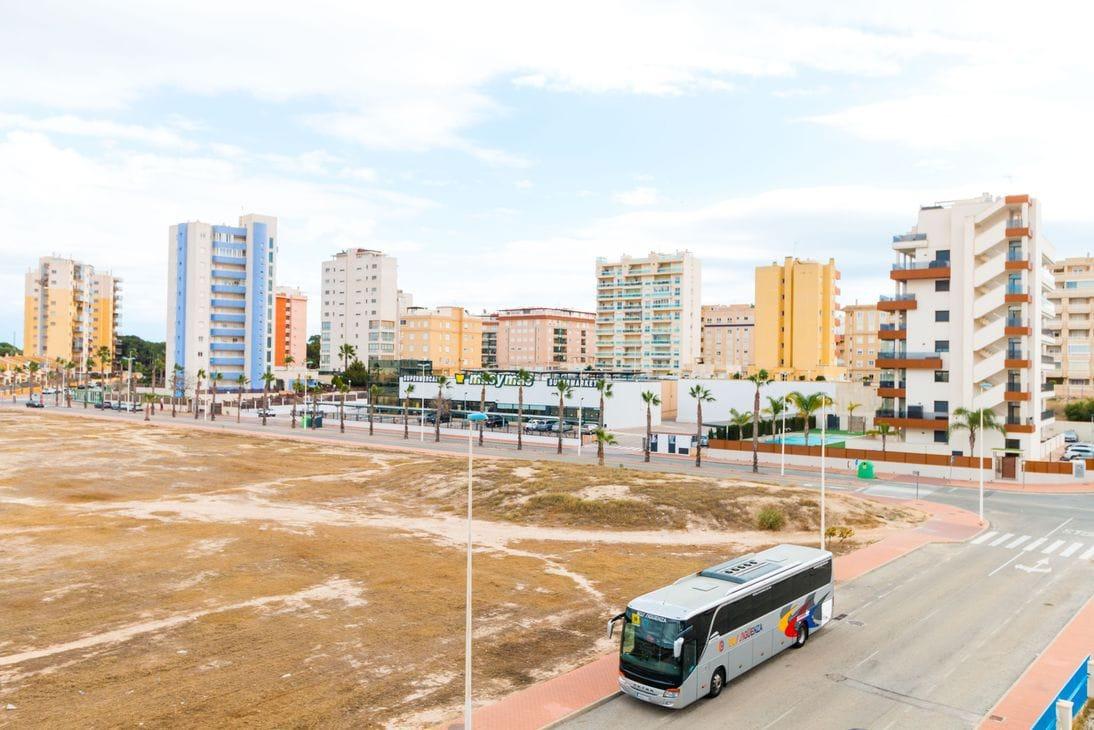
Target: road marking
[[1040, 567], [1011, 560], [1070, 550], [1035, 544], [917, 702], [1002, 539], [1017, 542], [1052, 548], [1087, 555], [776, 720], [1069, 519], [985, 536], [866, 659]]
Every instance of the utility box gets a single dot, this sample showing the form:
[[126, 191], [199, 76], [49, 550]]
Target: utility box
[[866, 470]]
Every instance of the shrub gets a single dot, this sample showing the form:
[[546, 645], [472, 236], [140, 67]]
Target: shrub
[[771, 518], [839, 532]]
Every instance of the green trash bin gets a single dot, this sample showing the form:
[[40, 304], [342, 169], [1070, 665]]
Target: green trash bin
[[866, 470]]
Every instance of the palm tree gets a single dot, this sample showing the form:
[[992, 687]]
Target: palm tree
[[16, 372], [32, 369], [442, 383], [740, 420], [149, 405], [176, 387], [373, 394], [650, 399], [267, 380], [197, 391], [807, 405], [406, 411], [158, 367], [564, 392], [297, 391], [488, 378], [214, 378], [70, 366], [883, 430], [341, 385], [605, 389], [774, 410], [106, 363], [851, 413], [89, 368], [523, 378], [970, 420], [346, 351], [58, 368], [759, 379], [603, 438], [241, 381], [701, 395]]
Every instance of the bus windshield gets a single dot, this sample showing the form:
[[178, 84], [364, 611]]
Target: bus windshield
[[647, 645]]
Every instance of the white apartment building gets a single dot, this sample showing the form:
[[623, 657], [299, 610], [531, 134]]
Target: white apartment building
[[972, 279], [360, 307], [648, 313], [220, 299], [1073, 370]]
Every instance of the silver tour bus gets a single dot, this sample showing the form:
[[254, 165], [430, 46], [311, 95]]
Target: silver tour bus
[[688, 639]]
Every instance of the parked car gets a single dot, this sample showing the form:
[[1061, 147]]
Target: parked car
[[1083, 451], [1070, 437], [493, 420], [589, 427], [566, 426], [265, 413], [103, 405], [128, 407], [49, 391], [432, 417], [537, 425], [35, 404]]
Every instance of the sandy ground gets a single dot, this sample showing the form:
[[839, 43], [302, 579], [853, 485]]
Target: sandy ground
[[154, 577]]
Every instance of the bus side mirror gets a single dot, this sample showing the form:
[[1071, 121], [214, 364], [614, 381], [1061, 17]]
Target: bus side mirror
[[678, 647], [611, 623]]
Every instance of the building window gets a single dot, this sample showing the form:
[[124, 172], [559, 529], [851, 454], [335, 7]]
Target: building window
[[941, 345], [942, 315], [941, 437], [942, 406], [941, 376]]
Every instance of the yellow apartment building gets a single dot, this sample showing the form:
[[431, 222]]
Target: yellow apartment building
[[864, 326], [449, 336]]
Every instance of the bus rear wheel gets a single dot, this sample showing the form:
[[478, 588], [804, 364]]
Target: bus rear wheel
[[717, 684], [803, 635]]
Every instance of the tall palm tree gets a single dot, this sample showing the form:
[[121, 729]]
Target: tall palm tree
[[197, 391], [564, 392], [605, 389], [373, 394], [488, 378], [267, 380], [603, 438], [523, 378], [442, 384], [149, 405], [70, 366], [807, 405], [177, 385], [406, 411], [88, 369], [17, 371], [58, 369], [346, 351], [297, 391], [701, 395], [650, 399], [969, 419], [214, 378], [758, 379], [341, 386], [851, 407], [883, 430], [32, 369], [241, 381], [106, 363], [774, 410], [740, 420]]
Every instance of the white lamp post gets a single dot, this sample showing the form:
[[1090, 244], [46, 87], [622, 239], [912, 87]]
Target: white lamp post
[[472, 418], [824, 420], [782, 442], [421, 408], [983, 388], [580, 433]]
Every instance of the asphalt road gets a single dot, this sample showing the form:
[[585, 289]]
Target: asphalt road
[[931, 640]]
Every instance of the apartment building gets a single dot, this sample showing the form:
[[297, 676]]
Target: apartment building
[[70, 311], [726, 339], [647, 313], [969, 307], [490, 341], [861, 326], [543, 338], [1073, 299], [220, 299], [450, 337], [796, 320], [290, 330], [360, 307]]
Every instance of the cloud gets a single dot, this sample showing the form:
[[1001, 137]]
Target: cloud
[[640, 196], [522, 184], [75, 126]]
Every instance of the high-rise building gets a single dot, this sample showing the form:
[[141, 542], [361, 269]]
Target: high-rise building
[[71, 311], [290, 331], [1073, 299], [220, 299], [544, 338], [489, 341], [449, 336], [969, 311], [361, 301], [863, 325], [796, 320], [647, 313], [727, 336]]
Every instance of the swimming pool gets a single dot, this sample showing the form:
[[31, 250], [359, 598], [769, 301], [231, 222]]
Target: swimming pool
[[798, 439]]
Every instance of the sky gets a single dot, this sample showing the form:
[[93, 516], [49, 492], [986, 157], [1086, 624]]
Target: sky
[[496, 149]]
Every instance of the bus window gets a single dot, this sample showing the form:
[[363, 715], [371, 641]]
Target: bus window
[[689, 656]]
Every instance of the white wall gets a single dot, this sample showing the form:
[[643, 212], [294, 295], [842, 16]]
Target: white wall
[[739, 394]]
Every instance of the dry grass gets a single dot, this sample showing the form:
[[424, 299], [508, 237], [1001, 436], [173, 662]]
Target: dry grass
[[226, 580]]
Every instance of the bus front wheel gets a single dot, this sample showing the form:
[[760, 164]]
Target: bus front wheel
[[717, 683], [803, 635]]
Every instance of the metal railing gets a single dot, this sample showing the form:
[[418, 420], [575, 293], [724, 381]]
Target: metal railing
[[1016, 289], [1015, 223], [935, 264], [1047, 414], [906, 237], [1015, 354], [891, 384], [1014, 388], [1015, 322], [1016, 255], [912, 413], [898, 298], [908, 355]]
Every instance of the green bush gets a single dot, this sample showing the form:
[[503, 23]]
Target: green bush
[[1079, 410], [771, 518]]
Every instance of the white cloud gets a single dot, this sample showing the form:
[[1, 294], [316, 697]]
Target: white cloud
[[640, 196], [75, 126], [522, 184]]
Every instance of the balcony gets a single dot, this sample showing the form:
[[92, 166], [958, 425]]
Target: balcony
[[1016, 199], [1048, 415], [922, 270], [1018, 261], [1016, 359], [1016, 424], [1048, 388], [1017, 228], [897, 303], [1016, 392], [892, 389], [914, 417], [1017, 293], [899, 359], [1016, 326], [910, 240], [892, 332]]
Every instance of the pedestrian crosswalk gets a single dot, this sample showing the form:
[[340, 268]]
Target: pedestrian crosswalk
[[1062, 548]]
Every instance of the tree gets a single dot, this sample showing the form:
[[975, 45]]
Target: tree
[[758, 379], [106, 362], [357, 374], [373, 394], [967, 419], [406, 411], [883, 430], [214, 378], [241, 382], [603, 438], [177, 385], [58, 369], [650, 399], [7, 349], [32, 369], [311, 353], [488, 378], [346, 352], [701, 395], [523, 378], [342, 387], [851, 407], [774, 410], [70, 366], [442, 383], [297, 391], [267, 380], [564, 392], [740, 420], [149, 405], [807, 405], [604, 388], [197, 391]]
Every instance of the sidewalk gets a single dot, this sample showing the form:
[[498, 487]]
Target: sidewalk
[[549, 702]]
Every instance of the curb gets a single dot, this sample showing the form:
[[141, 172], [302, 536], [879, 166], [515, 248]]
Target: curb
[[587, 708]]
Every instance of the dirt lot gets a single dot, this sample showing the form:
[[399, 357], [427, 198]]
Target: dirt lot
[[157, 576]]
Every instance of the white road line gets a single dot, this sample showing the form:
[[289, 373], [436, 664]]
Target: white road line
[[1002, 539], [1088, 555], [1017, 542], [866, 659], [1052, 548], [776, 720], [1070, 550], [1069, 519], [1034, 545], [985, 536], [1011, 560]]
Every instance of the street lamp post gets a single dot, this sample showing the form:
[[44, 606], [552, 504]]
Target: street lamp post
[[782, 442], [983, 387], [823, 425], [580, 433], [421, 408], [129, 380], [474, 417]]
